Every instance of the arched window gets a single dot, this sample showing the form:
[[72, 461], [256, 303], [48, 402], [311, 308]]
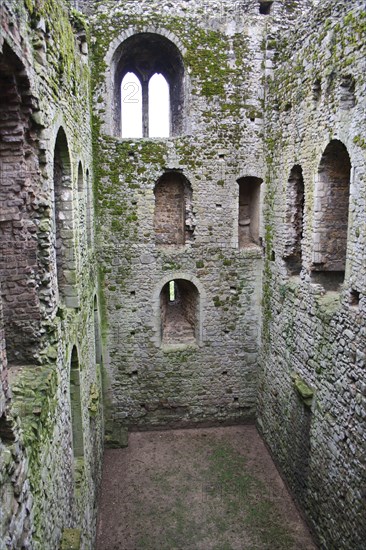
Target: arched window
[[143, 63], [131, 106], [75, 405], [174, 221], [331, 213], [179, 306], [159, 107], [19, 188], [249, 211], [294, 220], [64, 220]]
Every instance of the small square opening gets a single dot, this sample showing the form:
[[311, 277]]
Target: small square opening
[[265, 7], [354, 298]]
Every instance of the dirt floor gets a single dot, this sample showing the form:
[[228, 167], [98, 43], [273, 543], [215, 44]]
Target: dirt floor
[[199, 489]]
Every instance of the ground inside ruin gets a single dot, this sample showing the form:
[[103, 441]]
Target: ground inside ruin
[[196, 489]]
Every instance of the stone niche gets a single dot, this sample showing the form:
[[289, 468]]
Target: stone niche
[[173, 217], [331, 216], [249, 211]]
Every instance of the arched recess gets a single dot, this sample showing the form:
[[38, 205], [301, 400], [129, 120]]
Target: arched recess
[[179, 313], [19, 189], [64, 221], [294, 221], [146, 54], [174, 220], [331, 207], [179, 306], [97, 335], [249, 210], [89, 206], [75, 406]]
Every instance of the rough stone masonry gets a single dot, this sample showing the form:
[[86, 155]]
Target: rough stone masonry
[[215, 276]]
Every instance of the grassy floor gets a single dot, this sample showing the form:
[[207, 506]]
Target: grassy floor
[[199, 490]]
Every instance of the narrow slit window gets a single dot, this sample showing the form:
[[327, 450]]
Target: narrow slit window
[[131, 106], [159, 107], [171, 291]]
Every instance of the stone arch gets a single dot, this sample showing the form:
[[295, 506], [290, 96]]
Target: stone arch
[[179, 321], [249, 210], [64, 220], [331, 205], [294, 220], [19, 177], [75, 405], [145, 54], [174, 220]]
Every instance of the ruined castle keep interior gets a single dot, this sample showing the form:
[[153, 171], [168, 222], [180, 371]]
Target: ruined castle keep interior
[[210, 276]]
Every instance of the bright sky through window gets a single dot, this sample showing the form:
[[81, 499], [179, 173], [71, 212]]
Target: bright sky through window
[[131, 102], [159, 107], [171, 291]]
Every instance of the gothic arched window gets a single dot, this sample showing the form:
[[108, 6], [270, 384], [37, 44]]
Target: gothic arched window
[[148, 87]]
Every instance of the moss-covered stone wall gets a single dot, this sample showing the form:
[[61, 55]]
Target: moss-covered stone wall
[[215, 379], [311, 395], [45, 489], [262, 95]]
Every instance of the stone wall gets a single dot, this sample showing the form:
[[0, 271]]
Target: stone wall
[[45, 78], [311, 395], [262, 233], [201, 370]]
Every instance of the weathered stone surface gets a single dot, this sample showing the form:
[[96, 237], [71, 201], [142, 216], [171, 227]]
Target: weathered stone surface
[[254, 208], [44, 83]]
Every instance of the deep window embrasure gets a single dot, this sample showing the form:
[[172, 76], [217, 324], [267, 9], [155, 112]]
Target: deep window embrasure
[[179, 307], [174, 220], [331, 214], [19, 177]]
